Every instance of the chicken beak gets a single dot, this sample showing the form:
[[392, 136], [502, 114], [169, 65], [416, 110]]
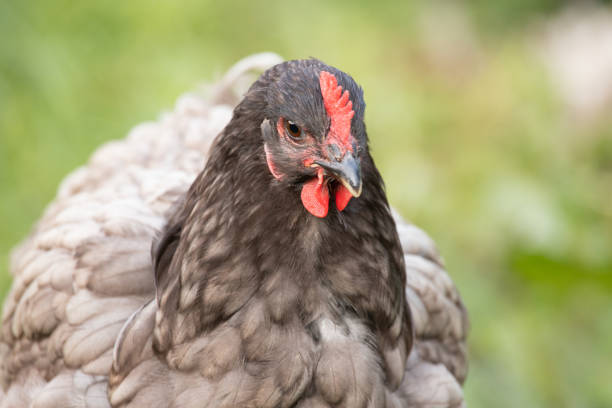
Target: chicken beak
[[347, 171]]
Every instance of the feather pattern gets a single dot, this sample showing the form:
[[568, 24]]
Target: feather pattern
[[92, 320]]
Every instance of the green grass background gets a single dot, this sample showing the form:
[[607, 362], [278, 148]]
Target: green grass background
[[477, 150]]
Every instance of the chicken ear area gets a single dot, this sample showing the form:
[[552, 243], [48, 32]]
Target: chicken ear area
[[315, 197]]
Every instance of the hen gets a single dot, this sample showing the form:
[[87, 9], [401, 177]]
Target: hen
[[278, 275]]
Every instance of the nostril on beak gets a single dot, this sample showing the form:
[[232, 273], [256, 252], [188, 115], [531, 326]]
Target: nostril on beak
[[334, 151]]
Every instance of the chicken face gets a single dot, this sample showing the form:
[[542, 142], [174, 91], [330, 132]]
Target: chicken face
[[313, 136]]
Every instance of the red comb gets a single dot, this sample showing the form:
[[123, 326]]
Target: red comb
[[339, 108]]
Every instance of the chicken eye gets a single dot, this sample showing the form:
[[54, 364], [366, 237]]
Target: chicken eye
[[294, 131]]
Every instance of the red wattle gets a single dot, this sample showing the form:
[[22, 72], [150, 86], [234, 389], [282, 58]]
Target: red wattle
[[315, 197], [343, 196]]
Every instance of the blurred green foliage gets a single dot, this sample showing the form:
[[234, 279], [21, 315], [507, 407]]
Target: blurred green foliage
[[473, 140]]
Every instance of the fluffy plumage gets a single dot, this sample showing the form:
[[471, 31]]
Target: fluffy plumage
[[338, 311]]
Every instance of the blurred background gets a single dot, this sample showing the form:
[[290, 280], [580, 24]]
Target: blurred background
[[490, 120]]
